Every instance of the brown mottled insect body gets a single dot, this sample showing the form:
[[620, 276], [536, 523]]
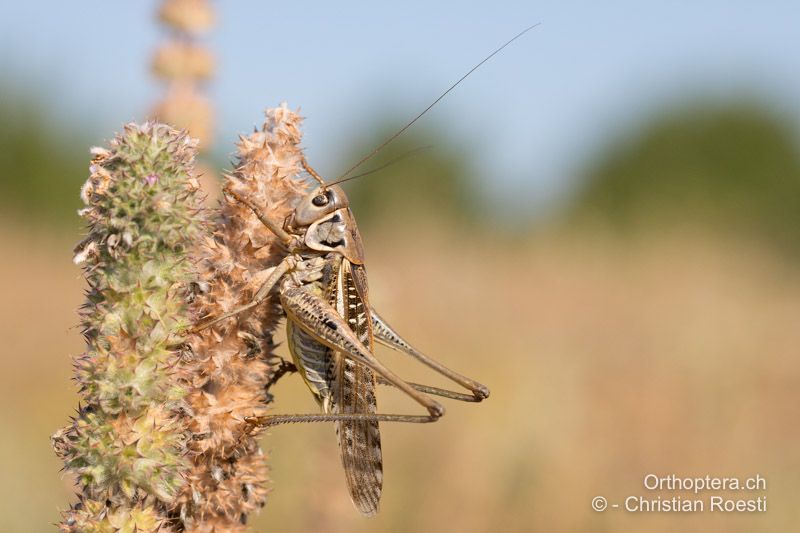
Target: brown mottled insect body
[[332, 328], [340, 384]]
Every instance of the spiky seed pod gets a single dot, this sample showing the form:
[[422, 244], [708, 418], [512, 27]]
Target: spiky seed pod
[[190, 16], [232, 362], [183, 61], [126, 444]]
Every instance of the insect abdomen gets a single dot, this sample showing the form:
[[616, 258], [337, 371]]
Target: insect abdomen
[[313, 359]]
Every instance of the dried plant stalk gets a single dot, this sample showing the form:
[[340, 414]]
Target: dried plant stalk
[[126, 443], [184, 62], [192, 17], [232, 362]]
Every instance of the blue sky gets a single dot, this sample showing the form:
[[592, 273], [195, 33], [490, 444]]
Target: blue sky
[[532, 116]]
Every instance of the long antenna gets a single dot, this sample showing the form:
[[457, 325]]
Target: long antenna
[[387, 164], [404, 128]]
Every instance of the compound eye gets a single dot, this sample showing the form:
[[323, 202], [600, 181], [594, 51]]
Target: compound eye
[[320, 200]]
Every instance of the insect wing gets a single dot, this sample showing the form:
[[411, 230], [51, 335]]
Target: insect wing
[[353, 391]]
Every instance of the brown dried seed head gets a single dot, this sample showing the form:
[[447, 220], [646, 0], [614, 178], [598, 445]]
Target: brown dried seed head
[[232, 361]]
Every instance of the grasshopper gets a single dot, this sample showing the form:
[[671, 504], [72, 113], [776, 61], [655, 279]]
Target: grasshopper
[[332, 329]]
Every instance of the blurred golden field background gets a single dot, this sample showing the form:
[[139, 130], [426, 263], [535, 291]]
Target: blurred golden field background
[[646, 323], [607, 360]]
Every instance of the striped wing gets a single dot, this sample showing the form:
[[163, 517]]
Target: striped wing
[[353, 391]]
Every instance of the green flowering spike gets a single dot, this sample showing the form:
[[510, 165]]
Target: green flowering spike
[[90, 516], [126, 445]]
